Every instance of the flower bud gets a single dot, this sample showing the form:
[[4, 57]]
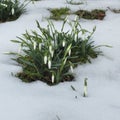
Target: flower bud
[[13, 11], [53, 77], [69, 52], [71, 68], [63, 43], [49, 64], [45, 59], [34, 45]]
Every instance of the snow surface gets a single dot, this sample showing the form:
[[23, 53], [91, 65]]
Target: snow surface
[[37, 101]]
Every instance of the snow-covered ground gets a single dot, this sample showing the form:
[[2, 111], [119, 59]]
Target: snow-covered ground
[[38, 101]]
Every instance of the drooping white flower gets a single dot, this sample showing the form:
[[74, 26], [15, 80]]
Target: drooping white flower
[[71, 68], [53, 78], [49, 64], [13, 1], [50, 49], [12, 11], [45, 59], [75, 39], [52, 53], [40, 46], [76, 18], [34, 45], [69, 52], [63, 43], [5, 5]]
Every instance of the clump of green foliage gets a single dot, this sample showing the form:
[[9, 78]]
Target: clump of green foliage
[[11, 9], [59, 13], [94, 14], [51, 55], [72, 2]]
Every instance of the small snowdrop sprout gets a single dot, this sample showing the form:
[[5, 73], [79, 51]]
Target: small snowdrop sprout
[[45, 59], [85, 94]]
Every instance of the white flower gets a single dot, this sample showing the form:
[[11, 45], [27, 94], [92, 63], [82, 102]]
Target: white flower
[[5, 5], [13, 11], [45, 59], [40, 46], [50, 48], [34, 45], [13, 1], [76, 18], [49, 64], [75, 38], [69, 52], [52, 53], [63, 43], [53, 77], [71, 68]]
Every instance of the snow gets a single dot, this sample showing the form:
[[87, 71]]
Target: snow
[[38, 101]]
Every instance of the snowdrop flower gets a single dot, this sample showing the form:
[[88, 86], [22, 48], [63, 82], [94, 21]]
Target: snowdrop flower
[[53, 78], [40, 46], [63, 43], [69, 52], [13, 1], [71, 68], [45, 59], [34, 45], [75, 38], [52, 53], [13, 11], [76, 18], [49, 64], [4, 5], [50, 48]]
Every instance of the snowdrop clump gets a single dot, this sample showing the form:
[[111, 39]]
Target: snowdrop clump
[[11, 9], [51, 55]]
